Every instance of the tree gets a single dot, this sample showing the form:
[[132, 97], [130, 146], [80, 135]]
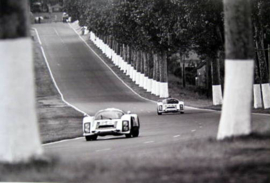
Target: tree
[[236, 112], [19, 134], [205, 24], [260, 16]]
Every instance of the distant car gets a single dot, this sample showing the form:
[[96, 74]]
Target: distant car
[[170, 105], [111, 121], [65, 18], [39, 19]]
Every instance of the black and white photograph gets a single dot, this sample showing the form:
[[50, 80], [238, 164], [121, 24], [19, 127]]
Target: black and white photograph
[[135, 91]]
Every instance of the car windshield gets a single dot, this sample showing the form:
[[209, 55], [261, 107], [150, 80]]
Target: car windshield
[[109, 115], [170, 101]]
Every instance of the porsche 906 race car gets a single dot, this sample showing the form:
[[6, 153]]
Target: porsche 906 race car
[[170, 105], [111, 121]]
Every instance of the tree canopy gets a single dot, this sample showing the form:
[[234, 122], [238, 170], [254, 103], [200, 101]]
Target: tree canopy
[[162, 25]]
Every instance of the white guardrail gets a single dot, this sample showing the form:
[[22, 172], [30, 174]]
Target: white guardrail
[[157, 88]]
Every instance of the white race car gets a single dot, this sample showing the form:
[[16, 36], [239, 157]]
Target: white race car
[[170, 105], [111, 121]]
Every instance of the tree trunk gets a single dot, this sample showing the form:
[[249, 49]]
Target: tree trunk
[[268, 61], [208, 79], [257, 90], [124, 53], [129, 68], [145, 70], [134, 61], [141, 81], [121, 50], [158, 70], [164, 92], [263, 71], [110, 41], [138, 68], [19, 133], [268, 52], [183, 69], [216, 85], [163, 68], [150, 71], [120, 57], [129, 56], [146, 64], [236, 111], [124, 57], [151, 65], [155, 74], [261, 56]]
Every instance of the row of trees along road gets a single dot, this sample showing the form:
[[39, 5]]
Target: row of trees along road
[[161, 28]]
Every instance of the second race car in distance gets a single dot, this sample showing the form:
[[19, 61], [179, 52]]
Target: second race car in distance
[[170, 105], [111, 121]]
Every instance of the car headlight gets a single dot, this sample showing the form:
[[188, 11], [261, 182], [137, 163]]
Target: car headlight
[[125, 123], [181, 107], [125, 126], [87, 127]]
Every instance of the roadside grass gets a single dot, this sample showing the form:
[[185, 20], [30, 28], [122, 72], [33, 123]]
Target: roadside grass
[[186, 161], [57, 121]]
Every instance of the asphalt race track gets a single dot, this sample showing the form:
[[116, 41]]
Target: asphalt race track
[[87, 83]]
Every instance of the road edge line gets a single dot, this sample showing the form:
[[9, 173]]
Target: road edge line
[[111, 68], [52, 77]]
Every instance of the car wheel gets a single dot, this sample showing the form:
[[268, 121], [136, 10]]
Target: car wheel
[[159, 113], [135, 132], [87, 138], [131, 130], [90, 138], [182, 112], [94, 137]]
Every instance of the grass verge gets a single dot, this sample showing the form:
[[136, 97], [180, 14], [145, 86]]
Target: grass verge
[[57, 120], [235, 160]]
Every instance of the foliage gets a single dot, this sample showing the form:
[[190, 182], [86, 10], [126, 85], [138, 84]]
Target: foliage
[[260, 14], [162, 25], [205, 21], [154, 25]]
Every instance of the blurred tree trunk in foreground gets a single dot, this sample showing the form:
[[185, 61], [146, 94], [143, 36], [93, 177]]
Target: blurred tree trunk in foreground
[[19, 134], [236, 112]]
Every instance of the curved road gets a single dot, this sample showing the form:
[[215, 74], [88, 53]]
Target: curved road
[[87, 83]]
